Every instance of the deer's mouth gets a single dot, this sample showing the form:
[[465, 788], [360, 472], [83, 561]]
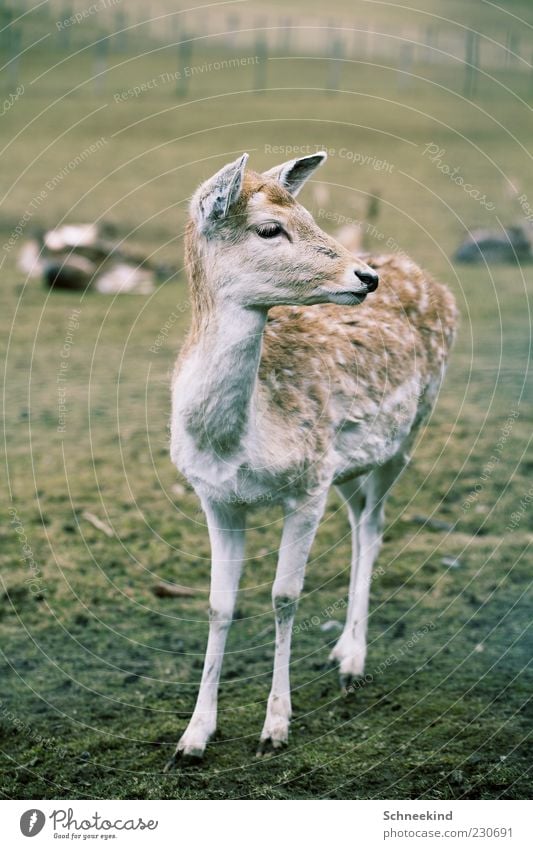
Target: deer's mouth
[[346, 297]]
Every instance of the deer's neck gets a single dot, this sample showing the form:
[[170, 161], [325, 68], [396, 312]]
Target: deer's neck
[[218, 375]]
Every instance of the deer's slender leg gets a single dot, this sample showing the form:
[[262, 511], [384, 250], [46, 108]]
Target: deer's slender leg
[[365, 499], [226, 533], [298, 533]]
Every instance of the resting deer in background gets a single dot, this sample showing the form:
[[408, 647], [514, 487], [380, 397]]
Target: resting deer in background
[[286, 385]]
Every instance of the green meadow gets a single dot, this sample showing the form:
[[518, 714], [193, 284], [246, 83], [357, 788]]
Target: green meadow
[[99, 676]]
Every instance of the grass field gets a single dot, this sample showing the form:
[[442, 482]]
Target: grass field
[[98, 675]]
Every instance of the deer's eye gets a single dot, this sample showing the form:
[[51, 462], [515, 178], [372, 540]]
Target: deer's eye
[[269, 231]]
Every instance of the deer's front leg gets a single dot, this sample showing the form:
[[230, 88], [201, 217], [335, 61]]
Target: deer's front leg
[[226, 534], [298, 534]]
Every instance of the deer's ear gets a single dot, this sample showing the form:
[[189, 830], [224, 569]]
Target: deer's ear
[[213, 201], [294, 173]]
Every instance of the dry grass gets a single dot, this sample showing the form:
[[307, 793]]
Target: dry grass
[[105, 671]]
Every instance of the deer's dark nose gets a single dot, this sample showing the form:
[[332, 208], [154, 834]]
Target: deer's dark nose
[[369, 278]]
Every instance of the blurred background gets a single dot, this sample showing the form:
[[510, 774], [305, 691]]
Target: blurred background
[[111, 113]]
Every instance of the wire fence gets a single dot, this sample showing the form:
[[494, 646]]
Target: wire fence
[[107, 28]]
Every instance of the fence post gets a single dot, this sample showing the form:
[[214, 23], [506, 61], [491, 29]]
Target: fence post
[[513, 46], [64, 32], [260, 67], [141, 33], [406, 65], [471, 63], [184, 58], [285, 36], [14, 43], [333, 78], [431, 43], [100, 62], [360, 48], [233, 26], [120, 41]]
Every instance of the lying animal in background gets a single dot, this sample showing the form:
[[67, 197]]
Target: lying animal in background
[[511, 245], [87, 256], [296, 375]]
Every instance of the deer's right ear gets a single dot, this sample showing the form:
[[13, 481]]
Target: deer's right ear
[[213, 201], [295, 172]]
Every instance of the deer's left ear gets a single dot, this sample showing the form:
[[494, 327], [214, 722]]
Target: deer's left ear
[[212, 202], [294, 173]]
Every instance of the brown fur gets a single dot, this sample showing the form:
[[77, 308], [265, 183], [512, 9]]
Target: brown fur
[[408, 324], [361, 354]]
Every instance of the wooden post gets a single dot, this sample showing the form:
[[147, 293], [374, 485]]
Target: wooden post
[[403, 81], [360, 48], [513, 46], [120, 41], [232, 25], [15, 42], [260, 67], [285, 37], [335, 65], [471, 64], [184, 61], [64, 32], [5, 18], [142, 32], [430, 44], [101, 49]]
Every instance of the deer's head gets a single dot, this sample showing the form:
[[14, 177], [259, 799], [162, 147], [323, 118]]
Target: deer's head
[[251, 242]]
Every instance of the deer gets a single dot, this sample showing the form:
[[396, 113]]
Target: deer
[[298, 373], [88, 257]]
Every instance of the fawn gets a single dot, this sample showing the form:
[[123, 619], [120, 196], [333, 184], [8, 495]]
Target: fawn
[[286, 385]]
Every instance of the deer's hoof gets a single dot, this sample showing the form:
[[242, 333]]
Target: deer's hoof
[[184, 757], [351, 682], [171, 765], [270, 746]]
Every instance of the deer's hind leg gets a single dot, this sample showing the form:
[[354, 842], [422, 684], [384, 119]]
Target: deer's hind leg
[[365, 498]]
